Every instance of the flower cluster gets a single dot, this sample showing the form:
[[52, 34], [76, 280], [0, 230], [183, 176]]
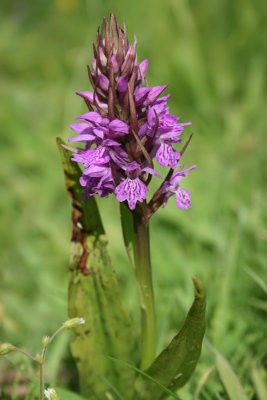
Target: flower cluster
[[128, 125]]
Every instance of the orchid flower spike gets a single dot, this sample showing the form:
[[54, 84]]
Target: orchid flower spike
[[128, 125]]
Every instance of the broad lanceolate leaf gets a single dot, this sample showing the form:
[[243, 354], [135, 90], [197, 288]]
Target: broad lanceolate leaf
[[175, 365], [230, 381], [94, 295], [148, 377]]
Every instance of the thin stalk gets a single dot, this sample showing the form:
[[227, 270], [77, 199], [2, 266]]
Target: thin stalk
[[55, 334], [146, 295], [41, 381], [24, 353], [42, 364]]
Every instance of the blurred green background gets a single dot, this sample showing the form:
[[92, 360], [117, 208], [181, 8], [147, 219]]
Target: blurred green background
[[213, 56]]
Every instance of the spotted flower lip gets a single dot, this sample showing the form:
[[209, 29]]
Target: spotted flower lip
[[128, 127]]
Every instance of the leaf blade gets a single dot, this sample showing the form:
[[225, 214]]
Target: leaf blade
[[94, 294], [176, 363]]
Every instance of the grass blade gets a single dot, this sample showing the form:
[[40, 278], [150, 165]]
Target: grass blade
[[257, 279], [259, 382], [229, 379]]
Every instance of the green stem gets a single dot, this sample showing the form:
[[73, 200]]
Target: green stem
[[41, 381], [144, 279], [42, 364]]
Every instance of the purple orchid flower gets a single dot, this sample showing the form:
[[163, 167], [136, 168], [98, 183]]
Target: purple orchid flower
[[172, 187], [127, 126]]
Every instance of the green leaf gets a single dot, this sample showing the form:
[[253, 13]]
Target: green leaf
[[128, 231], [229, 379], [176, 363], [85, 215], [66, 394], [260, 383], [148, 377], [94, 294]]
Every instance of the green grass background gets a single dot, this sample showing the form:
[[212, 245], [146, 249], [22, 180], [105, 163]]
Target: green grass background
[[213, 56]]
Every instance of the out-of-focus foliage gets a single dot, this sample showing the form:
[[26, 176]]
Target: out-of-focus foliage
[[213, 55]]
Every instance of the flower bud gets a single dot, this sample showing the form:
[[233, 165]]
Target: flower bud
[[6, 348], [39, 358], [73, 323], [46, 340], [50, 394]]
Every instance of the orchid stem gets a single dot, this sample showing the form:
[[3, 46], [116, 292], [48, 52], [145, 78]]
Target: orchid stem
[[146, 295]]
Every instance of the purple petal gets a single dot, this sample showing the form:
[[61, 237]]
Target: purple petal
[[99, 132], [132, 191], [183, 199], [89, 96], [114, 63], [143, 130], [118, 127], [96, 156], [120, 152], [171, 135], [128, 54], [163, 100], [81, 127], [153, 94], [83, 180], [141, 95], [122, 83], [179, 175], [151, 171], [92, 116], [167, 194], [81, 138], [117, 159], [103, 82], [94, 64], [110, 142], [186, 123], [151, 116], [142, 69], [103, 58], [95, 170], [133, 170], [102, 185], [166, 155]]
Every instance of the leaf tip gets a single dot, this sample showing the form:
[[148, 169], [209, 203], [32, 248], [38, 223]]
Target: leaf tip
[[200, 291], [59, 140]]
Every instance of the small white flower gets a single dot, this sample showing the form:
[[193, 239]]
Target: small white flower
[[51, 394]]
